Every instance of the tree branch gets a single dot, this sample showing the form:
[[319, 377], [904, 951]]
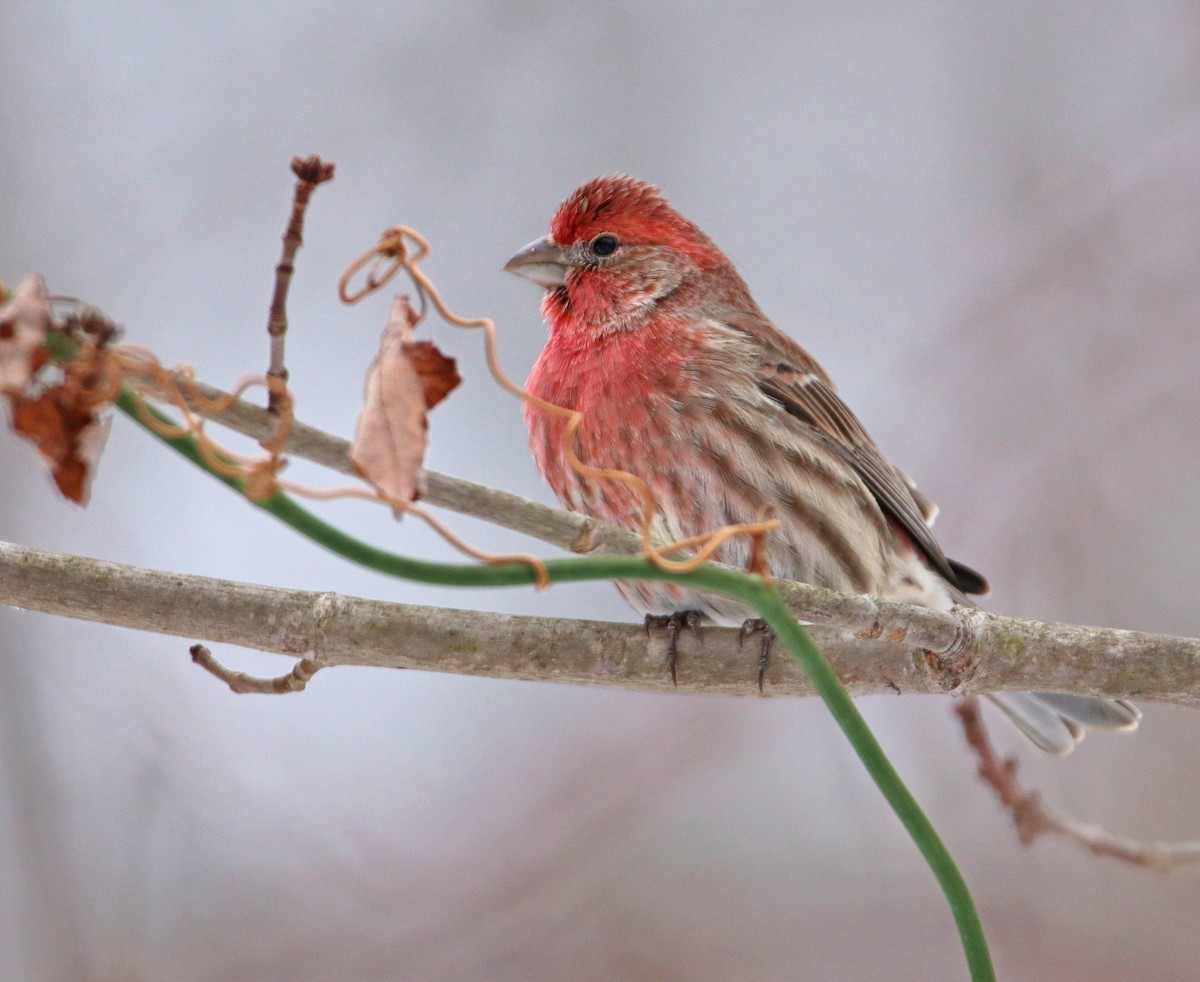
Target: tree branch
[[992, 652]]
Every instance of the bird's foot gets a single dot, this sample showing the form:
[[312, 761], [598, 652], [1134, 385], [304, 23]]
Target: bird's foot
[[674, 623], [766, 641]]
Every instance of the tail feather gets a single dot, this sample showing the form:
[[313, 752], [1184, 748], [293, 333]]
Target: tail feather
[[1104, 714], [1054, 722]]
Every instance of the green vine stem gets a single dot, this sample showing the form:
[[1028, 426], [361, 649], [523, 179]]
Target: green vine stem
[[748, 588]]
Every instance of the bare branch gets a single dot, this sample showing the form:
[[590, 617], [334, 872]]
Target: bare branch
[[294, 681], [1034, 819], [310, 171], [992, 653]]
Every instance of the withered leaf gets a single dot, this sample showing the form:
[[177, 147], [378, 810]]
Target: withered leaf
[[54, 406], [406, 378], [70, 439]]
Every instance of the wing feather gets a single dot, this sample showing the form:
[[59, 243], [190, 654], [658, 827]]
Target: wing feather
[[789, 376]]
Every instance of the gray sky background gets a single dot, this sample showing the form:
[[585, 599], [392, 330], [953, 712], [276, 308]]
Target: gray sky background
[[984, 220]]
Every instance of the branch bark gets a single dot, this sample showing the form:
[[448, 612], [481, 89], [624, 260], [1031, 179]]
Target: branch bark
[[987, 652]]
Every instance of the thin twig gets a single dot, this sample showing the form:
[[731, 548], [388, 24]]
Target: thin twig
[[293, 681], [1033, 819], [311, 172]]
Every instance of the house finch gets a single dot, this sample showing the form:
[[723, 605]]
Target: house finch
[[683, 381]]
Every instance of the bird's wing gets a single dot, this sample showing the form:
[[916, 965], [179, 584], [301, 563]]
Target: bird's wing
[[789, 376]]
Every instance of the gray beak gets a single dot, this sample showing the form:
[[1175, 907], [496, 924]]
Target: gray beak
[[543, 262]]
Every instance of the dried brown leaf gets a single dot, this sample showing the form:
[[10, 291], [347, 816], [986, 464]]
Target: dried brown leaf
[[56, 406], [406, 378], [69, 439]]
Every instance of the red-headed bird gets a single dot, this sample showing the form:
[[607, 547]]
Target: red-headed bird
[[683, 381]]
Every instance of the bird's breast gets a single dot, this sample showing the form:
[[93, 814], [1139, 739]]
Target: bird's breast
[[632, 394]]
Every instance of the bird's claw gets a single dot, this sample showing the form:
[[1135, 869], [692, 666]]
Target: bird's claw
[[756, 625], [674, 623]]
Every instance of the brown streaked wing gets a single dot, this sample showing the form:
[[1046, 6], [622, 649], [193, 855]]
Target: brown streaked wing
[[791, 377]]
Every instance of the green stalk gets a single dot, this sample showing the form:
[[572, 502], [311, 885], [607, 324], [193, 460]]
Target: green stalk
[[750, 589]]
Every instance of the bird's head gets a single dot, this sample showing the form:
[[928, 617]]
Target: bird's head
[[614, 250]]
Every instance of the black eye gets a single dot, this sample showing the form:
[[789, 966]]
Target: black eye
[[604, 245]]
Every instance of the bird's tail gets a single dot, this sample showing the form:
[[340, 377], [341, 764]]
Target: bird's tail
[[1055, 721]]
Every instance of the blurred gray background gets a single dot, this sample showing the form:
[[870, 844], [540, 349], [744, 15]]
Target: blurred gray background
[[985, 221]]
